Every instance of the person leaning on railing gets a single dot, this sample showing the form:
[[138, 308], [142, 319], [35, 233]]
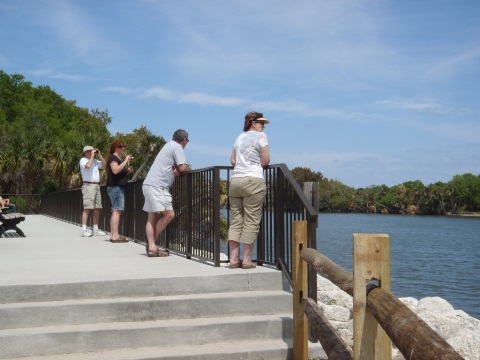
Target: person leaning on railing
[[169, 162], [5, 203], [247, 189]]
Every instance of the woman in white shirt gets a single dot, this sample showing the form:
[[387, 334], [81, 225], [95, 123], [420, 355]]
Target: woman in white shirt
[[247, 189]]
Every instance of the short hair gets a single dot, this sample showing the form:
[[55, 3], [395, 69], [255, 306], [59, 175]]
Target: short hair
[[180, 135], [251, 116]]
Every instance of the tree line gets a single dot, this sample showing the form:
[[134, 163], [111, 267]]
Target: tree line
[[42, 136], [458, 196]]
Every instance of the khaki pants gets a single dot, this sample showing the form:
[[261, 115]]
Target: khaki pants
[[246, 197]]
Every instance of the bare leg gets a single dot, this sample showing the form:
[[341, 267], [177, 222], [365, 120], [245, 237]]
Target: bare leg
[[114, 221], [247, 253], [150, 230], [96, 216], [167, 217], [234, 247], [155, 226], [85, 216]]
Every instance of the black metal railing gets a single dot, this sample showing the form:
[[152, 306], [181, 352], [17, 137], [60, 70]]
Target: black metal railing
[[202, 214]]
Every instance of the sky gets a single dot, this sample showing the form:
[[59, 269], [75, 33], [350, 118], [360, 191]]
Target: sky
[[366, 92]]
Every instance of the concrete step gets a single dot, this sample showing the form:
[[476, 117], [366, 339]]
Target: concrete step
[[237, 315], [88, 338], [235, 350], [75, 312], [166, 286]]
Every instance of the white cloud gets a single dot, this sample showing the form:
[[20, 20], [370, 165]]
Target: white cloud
[[288, 106], [79, 31], [192, 97], [446, 67], [462, 132], [119, 90], [429, 107], [57, 75]]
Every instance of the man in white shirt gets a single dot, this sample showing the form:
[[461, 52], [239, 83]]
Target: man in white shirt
[[169, 162], [92, 198]]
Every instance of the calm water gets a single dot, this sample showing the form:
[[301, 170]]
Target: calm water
[[430, 255]]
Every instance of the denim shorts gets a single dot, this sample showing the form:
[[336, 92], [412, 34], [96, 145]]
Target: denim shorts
[[117, 197]]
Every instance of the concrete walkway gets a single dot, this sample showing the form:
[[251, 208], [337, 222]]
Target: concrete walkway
[[53, 252]]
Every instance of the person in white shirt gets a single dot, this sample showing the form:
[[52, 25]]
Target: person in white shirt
[[247, 189], [92, 198], [170, 162]]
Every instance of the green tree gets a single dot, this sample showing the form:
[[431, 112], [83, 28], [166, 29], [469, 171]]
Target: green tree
[[303, 174]]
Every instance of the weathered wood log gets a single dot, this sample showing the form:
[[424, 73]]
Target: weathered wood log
[[412, 336], [332, 343], [336, 274]]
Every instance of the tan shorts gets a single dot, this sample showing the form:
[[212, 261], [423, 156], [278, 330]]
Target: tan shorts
[[246, 197], [156, 199], [92, 198]]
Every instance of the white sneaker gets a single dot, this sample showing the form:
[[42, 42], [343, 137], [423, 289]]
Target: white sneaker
[[98, 232], [86, 233]]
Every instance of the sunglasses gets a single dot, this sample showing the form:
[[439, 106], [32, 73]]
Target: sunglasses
[[121, 146]]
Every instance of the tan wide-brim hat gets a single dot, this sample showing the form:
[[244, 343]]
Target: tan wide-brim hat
[[87, 148], [266, 121]]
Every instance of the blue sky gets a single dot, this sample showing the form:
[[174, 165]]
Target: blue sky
[[366, 92]]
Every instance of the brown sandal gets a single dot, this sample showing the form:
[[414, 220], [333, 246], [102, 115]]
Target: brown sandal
[[158, 253], [121, 239]]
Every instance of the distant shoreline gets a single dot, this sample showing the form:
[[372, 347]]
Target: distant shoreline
[[470, 214]]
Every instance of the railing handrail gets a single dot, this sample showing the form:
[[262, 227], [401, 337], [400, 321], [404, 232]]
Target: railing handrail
[[291, 179], [195, 232]]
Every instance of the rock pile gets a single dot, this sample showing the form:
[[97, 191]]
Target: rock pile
[[459, 329]]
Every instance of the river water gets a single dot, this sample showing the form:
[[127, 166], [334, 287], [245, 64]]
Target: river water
[[430, 255]]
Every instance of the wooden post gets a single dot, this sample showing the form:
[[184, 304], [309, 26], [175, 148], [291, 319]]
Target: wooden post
[[311, 189], [300, 287], [371, 261]]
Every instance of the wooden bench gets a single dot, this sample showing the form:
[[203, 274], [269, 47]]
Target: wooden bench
[[10, 221]]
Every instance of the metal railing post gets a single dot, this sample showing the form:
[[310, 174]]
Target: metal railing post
[[279, 216], [216, 216]]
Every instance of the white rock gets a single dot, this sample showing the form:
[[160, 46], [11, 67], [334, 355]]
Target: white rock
[[410, 302], [459, 329], [330, 294], [466, 343], [335, 312], [437, 303]]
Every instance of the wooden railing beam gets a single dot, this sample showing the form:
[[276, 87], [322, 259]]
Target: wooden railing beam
[[412, 336], [336, 274], [332, 343]]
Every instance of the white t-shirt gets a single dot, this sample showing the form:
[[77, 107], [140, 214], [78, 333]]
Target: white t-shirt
[[161, 173], [92, 174], [247, 148]]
